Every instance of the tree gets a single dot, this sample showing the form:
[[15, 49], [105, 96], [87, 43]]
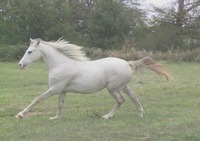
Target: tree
[[185, 8], [110, 23], [176, 26], [188, 21]]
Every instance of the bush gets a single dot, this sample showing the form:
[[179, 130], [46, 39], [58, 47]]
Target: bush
[[11, 52], [131, 53]]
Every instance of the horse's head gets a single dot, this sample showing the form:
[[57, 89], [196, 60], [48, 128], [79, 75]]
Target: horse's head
[[31, 55]]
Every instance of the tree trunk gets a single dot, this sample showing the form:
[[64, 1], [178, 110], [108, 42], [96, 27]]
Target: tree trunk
[[180, 13]]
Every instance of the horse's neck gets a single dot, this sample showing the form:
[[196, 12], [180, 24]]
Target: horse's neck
[[53, 58]]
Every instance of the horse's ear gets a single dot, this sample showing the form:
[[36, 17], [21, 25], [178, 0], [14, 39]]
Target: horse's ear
[[37, 42], [31, 39], [34, 42]]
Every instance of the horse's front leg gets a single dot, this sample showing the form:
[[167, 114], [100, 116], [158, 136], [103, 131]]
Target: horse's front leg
[[61, 100], [38, 99]]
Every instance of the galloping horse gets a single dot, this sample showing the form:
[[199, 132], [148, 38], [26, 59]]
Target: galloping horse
[[71, 71]]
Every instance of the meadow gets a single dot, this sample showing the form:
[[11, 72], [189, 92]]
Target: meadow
[[172, 109]]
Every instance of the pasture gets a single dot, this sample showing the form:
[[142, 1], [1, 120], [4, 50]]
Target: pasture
[[172, 110]]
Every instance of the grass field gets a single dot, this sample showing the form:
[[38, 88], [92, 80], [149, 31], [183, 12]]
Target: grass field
[[172, 110]]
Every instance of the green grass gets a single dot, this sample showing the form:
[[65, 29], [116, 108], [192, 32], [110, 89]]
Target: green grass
[[171, 109]]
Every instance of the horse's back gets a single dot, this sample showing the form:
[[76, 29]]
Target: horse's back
[[114, 64]]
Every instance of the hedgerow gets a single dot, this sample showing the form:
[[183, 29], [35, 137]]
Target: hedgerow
[[15, 53], [11, 52]]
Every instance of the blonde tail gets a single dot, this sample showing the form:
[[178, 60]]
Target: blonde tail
[[152, 65]]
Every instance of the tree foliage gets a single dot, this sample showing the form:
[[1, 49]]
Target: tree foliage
[[107, 25], [100, 23]]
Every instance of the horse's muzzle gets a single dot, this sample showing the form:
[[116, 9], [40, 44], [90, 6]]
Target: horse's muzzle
[[22, 66]]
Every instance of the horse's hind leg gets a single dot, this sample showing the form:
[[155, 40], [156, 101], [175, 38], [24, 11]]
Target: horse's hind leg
[[134, 98], [61, 100], [118, 97]]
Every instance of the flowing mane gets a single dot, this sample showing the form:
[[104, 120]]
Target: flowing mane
[[70, 50]]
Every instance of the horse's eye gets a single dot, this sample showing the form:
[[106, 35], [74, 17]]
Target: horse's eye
[[29, 52]]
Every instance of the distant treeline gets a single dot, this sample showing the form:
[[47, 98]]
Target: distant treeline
[[105, 24]]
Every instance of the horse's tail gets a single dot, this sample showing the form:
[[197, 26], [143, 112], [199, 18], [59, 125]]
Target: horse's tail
[[152, 65]]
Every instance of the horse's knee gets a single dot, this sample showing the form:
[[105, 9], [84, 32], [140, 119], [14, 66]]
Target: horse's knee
[[37, 99], [120, 100]]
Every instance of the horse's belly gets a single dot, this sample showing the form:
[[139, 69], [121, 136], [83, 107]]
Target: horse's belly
[[84, 89], [86, 86]]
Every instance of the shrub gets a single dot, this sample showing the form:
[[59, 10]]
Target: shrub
[[11, 52]]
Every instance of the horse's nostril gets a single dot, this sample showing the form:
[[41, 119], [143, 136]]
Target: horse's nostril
[[20, 65]]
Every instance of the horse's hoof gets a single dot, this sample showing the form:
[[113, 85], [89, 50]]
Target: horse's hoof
[[142, 113], [107, 117], [52, 118], [18, 116]]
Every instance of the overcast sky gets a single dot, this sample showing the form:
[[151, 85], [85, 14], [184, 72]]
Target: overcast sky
[[159, 2]]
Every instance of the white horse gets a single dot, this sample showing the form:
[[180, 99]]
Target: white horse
[[71, 71]]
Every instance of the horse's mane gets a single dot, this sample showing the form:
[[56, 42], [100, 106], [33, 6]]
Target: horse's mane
[[70, 50]]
